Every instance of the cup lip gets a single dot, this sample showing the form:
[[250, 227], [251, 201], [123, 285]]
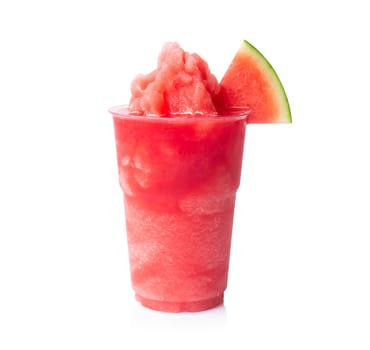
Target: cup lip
[[231, 114]]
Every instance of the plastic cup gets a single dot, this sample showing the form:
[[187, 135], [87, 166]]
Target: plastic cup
[[179, 178]]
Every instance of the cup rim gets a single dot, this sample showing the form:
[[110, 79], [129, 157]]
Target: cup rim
[[231, 114]]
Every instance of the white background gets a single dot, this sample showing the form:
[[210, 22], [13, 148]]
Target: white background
[[300, 266]]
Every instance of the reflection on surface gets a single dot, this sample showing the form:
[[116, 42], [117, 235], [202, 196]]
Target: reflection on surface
[[143, 317]]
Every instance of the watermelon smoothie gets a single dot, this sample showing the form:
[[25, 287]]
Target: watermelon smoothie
[[179, 177], [179, 150]]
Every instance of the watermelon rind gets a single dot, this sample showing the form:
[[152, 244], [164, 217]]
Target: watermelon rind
[[286, 115]]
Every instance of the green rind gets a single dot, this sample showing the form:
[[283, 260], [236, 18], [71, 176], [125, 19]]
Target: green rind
[[270, 69]]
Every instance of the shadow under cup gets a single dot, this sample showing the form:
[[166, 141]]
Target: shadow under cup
[[179, 177]]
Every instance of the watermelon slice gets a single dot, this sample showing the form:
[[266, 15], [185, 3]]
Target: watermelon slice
[[250, 81]]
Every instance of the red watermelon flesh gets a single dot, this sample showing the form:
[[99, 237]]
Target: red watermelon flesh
[[182, 84], [251, 81]]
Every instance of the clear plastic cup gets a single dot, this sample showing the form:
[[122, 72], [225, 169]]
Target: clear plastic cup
[[179, 178]]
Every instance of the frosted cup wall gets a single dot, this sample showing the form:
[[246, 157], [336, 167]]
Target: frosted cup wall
[[179, 178]]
